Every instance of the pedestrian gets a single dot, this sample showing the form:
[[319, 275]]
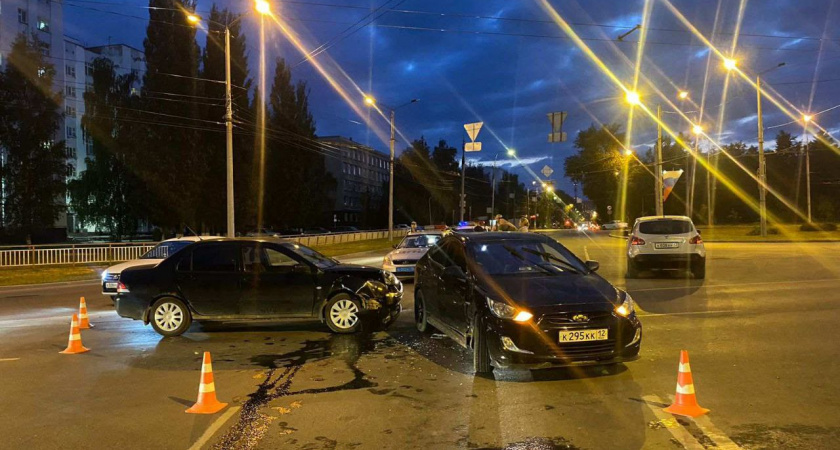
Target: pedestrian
[[523, 224], [503, 225], [413, 226]]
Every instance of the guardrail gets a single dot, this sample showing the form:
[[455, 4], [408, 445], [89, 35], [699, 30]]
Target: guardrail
[[42, 255]]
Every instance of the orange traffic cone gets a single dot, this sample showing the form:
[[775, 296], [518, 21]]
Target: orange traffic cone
[[75, 344], [84, 323], [207, 402], [685, 401]]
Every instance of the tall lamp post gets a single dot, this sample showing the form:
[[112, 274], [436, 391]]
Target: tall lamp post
[[807, 118], [731, 64], [370, 101], [263, 8]]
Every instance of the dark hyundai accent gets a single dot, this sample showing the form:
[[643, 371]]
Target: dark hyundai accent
[[256, 279], [523, 301]]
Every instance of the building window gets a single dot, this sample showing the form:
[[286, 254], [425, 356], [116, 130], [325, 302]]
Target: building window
[[72, 170], [89, 69], [71, 132], [23, 17], [71, 92], [70, 111], [71, 152], [43, 25], [70, 71]]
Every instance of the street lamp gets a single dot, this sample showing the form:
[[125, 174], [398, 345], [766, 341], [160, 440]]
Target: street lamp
[[262, 7], [806, 119], [633, 98], [628, 152], [194, 19], [697, 129], [683, 95], [370, 101], [762, 167], [730, 64], [511, 152]]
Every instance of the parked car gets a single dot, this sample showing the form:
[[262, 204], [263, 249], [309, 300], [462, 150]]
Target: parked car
[[614, 225], [316, 230], [402, 259], [402, 226], [111, 275], [588, 226], [344, 229], [522, 300], [256, 279], [665, 242]]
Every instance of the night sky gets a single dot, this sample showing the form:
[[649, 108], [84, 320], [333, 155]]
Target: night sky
[[508, 64]]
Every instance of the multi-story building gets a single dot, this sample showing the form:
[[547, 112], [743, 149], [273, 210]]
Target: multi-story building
[[361, 174]]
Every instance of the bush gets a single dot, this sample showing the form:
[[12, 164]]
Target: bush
[[757, 231], [818, 227]]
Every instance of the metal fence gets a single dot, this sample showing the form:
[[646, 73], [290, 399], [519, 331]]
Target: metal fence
[[41, 255]]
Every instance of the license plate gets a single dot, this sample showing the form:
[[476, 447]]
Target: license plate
[[584, 335], [666, 245], [405, 269], [110, 285]]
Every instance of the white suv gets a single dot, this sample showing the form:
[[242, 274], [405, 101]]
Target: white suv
[[665, 242]]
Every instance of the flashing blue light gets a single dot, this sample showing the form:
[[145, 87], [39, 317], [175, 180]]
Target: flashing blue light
[[463, 223]]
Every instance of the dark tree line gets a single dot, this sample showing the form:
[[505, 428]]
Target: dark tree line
[[726, 179]]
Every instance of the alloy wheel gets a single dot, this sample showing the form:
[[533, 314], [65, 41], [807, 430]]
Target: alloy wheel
[[344, 314], [169, 316]]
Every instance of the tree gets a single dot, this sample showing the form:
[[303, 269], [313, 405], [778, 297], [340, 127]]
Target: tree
[[107, 193], [36, 164], [174, 164], [597, 163], [214, 214]]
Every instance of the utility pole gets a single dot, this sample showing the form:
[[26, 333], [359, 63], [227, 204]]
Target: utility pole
[[808, 178], [762, 173], [463, 176], [493, 188], [231, 230], [657, 166], [709, 212], [693, 177], [391, 184]]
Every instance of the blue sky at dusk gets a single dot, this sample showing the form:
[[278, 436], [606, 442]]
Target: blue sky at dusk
[[509, 64]]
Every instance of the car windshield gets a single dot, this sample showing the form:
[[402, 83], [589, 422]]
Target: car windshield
[[311, 255], [665, 227], [165, 249], [526, 257], [419, 241]]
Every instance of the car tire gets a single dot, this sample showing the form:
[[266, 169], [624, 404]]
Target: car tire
[[481, 355], [421, 314], [343, 314], [170, 316], [699, 271], [632, 270]]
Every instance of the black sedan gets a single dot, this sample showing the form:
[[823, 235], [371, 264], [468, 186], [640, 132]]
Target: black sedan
[[256, 279], [523, 301]]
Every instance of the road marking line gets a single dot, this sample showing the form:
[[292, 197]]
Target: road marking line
[[680, 433], [709, 286], [214, 427], [586, 252], [709, 429], [689, 313], [8, 359]]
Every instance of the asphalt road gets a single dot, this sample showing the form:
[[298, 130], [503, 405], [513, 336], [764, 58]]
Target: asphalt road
[[761, 331]]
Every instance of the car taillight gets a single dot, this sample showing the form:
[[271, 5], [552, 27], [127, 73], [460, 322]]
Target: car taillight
[[122, 288], [696, 240], [636, 240]]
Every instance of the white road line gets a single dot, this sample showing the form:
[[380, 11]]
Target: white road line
[[214, 427], [689, 313], [8, 359], [586, 252], [679, 432], [710, 286], [709, 429]]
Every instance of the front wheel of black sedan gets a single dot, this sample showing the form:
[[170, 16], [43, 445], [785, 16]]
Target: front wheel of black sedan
[[421, 314], [343, 314], [481, 355], [170, 317]]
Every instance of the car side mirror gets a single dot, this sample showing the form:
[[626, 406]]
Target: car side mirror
[[454, 273], [394, 246], [301, 268], [592, 266]]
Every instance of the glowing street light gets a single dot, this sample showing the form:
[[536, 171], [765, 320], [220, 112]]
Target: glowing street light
[[697, 129], [370, 101], [263, 7], [633, 98], [807, 118], [194, 19], [683, 95], [511, 152], [628, 152], [730, 64]]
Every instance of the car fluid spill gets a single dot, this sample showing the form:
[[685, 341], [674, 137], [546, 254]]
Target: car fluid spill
[[554, 443], [282, 368]]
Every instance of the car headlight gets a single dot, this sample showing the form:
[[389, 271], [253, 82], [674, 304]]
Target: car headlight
[[388, 261], [390, 278], [504, 311], [626, 307], [104, 275]]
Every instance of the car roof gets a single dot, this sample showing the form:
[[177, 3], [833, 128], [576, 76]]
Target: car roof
[[486, 236], [652, 218], [267, 239], [193, 238], [422, 232]]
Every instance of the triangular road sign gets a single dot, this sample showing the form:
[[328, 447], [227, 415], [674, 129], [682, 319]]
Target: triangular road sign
[[473, 129]]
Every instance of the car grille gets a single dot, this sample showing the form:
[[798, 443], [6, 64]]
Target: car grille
[[566, 319], [404, 262], [581, 349], [112, 277]]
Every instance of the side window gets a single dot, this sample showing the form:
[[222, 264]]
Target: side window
[[215, 258], [277, 261], [455, 252], [438, 255], [251, 258]]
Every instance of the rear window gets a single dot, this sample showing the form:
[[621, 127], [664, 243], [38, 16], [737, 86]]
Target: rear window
[[665, 227]]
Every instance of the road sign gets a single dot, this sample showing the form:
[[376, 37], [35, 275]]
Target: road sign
[[557, 134], [547, 171], [473, 129], [472, 147]]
